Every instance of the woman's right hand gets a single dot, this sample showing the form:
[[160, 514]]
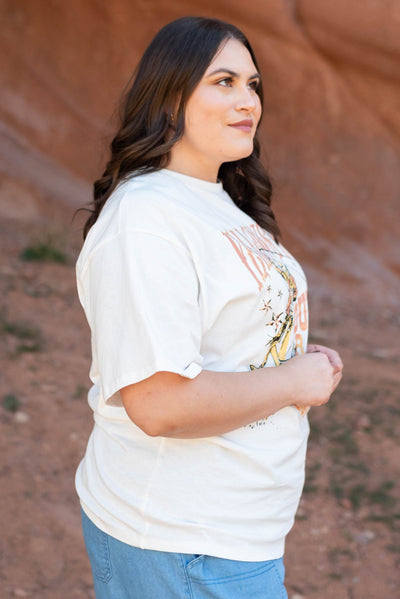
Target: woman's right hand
[[314, 378]]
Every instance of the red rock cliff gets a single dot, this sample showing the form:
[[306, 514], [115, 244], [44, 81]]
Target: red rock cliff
[[331, 127]]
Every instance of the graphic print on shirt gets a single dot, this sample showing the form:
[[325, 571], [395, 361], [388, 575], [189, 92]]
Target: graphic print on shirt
[[278, 347], [286, 323]]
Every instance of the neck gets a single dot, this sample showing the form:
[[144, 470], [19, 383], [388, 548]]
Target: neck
[[182, 162]]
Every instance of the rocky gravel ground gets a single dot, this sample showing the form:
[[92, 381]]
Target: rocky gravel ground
[[345, 543]]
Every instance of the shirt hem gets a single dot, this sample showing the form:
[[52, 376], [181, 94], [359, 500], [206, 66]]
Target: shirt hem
[[269, 550]]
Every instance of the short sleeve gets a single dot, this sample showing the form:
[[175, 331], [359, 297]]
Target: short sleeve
[[140, 294]]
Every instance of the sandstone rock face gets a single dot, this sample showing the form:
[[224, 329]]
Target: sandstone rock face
[[331, 126]]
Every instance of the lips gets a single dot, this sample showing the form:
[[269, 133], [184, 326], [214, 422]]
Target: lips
[[245, 125]]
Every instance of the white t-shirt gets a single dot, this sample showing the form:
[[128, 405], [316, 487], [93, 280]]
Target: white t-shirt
[[174, 277]]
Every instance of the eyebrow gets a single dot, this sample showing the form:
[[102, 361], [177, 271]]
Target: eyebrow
[[232, 73]]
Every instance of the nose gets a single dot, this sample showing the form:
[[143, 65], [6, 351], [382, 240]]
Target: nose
[[247, 99]]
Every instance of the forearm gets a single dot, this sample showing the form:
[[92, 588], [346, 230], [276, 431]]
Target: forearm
[[211, 404]]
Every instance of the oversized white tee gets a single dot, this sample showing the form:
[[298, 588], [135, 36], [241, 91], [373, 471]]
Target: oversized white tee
[[174, 277]]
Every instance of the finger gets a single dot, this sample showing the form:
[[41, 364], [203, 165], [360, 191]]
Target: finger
[[336, 380], [313, 348], [337, 368], [332, 356]]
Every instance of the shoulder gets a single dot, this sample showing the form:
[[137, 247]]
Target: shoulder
[[148, 186], [147, 203], [150, 200]]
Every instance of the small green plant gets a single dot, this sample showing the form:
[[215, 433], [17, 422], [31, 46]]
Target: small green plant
[[301, 516], [29, 336], [48, 247], [393, 548], [335, 553], [80, 391], [391, 520], [310, 485], [345, 442], [356, 495], [11, 403], [382, 495], [337, 489]]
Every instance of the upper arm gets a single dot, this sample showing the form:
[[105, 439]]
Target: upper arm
[[143, 310]]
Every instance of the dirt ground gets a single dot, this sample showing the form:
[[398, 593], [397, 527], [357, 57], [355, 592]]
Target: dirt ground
[[345, 543]]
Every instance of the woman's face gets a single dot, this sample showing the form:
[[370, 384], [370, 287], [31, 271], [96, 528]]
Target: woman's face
[[221, 115]]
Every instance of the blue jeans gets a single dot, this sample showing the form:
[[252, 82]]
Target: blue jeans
[[121, 571]]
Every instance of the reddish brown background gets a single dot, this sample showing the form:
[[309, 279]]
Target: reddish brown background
[[331, 125], [331, 138]]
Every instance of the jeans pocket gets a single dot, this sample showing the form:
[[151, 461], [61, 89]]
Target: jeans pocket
[[96, 542], [227, 579]]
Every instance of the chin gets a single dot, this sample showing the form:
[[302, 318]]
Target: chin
[[244, 153]]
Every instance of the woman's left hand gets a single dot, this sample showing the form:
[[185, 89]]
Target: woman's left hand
[[333, 358]]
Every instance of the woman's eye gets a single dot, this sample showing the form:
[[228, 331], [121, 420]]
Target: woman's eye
[[254, 85], [226, 82], [229, 82]]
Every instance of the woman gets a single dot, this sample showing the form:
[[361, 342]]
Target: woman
[[195, 466]]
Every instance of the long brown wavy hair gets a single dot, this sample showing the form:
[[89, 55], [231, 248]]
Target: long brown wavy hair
[[165, 78]]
